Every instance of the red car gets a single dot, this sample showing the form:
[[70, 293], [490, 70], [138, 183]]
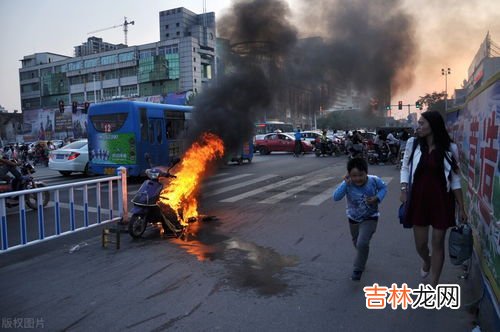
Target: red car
[[279, 142]]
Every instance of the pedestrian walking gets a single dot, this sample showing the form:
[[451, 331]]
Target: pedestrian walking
[[297, 150], [430, 165], [363, 193]]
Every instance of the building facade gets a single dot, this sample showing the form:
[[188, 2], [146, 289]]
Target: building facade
[[182, 60], [95, 45]]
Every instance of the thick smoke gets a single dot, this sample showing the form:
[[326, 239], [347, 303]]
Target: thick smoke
[[370, 44], [230, 108], [259, 37], [365, 45]]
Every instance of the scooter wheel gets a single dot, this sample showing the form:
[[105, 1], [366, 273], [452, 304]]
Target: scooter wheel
[[137, 225]]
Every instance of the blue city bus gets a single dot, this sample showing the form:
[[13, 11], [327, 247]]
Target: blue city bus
[[122, 133]]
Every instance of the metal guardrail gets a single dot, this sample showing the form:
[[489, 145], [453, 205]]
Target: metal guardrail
[[121, 185]]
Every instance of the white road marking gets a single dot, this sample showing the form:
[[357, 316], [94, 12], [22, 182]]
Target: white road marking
[[211, 183], [262, 189], [281, 196], [238, 185]]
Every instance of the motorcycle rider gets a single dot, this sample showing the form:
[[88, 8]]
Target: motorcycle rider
[[393, 143], [323, 142], [8, 166], [357, 144]]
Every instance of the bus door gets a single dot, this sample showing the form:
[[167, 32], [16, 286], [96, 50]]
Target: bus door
[[156, 145]]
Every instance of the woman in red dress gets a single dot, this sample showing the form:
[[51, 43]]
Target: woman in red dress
[[431, 159]]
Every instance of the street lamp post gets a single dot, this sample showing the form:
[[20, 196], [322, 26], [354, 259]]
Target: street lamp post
[[445, 73]]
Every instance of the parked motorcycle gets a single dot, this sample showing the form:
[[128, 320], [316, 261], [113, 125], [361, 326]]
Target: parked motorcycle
[[328, 148], [27, 182], [146, 210]]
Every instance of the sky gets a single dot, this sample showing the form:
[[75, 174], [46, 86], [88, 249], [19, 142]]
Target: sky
[[448, 34]]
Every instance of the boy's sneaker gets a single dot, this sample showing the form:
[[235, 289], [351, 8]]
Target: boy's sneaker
[[356, 275]]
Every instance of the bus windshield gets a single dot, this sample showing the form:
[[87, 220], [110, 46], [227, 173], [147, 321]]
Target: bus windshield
[[108, 123]]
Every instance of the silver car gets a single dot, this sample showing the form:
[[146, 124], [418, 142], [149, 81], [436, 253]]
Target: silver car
[[71, 158]]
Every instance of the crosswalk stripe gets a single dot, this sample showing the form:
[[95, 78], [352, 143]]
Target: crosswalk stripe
[[211, 183], [238, 185], [281, 196], [218, 175], [262, 189], [318, 199]]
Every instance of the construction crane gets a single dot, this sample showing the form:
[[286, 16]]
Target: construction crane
[[124, 25]]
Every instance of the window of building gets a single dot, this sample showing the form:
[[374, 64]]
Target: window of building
[[166, 26], [178, 33], [107, 93], [74, 65], [78, 97], [109, 59], [90, 63], [127, 72], [26, 75], [90, 95], [129, 56], [129, 90], [109, 74], [167, 35], [177, 24], [144, 54], [194, 68]]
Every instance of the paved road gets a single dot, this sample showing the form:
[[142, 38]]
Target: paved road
[[278, 258]]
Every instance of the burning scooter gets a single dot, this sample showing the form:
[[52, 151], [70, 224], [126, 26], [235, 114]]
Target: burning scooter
[[169, 196], [146, 210]]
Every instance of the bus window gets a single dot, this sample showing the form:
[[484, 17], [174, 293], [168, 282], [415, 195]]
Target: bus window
[[144, 123], [151, 131], [159, 131], [175, 124], [108, 123]]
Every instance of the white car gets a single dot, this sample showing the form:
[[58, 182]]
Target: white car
[[71, 158]]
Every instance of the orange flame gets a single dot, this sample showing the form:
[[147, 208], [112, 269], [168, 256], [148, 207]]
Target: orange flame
[[180, 194]]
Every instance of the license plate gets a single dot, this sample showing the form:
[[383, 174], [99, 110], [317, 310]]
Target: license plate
[[109, 171], [59, 156]]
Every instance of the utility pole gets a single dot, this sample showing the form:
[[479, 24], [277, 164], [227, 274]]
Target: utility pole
[[445, 73]]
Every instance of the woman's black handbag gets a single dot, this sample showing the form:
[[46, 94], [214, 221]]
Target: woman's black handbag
[[460, 244], [402, 215]]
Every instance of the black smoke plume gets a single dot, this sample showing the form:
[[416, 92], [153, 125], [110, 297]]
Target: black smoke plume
[[259, 36], [273, 65]]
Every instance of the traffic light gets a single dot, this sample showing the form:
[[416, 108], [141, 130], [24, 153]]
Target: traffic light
[[74, 107], [61, 106], [418, 105], [86, 106], [388, 108], [400, 105]]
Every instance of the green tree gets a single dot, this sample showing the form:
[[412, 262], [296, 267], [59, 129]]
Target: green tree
[[434, 101]]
